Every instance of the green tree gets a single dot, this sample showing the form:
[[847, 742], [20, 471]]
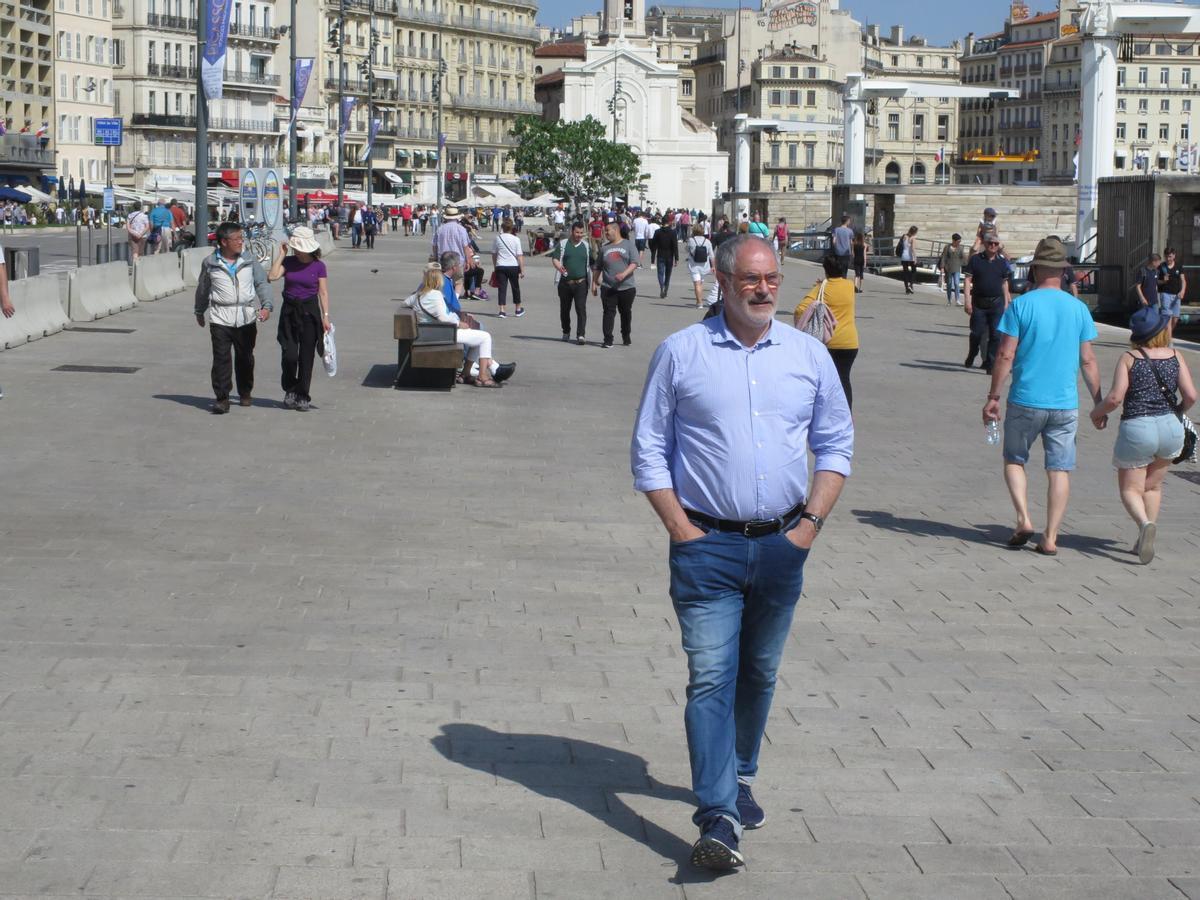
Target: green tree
[[574, 160]]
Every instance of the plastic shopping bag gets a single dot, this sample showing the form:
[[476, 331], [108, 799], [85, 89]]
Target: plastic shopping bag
[[330, 356]]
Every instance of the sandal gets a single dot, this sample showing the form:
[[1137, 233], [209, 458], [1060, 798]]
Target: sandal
[[485, 384], [1020, 538]]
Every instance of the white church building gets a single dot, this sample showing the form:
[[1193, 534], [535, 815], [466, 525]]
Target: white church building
[[616, 78]]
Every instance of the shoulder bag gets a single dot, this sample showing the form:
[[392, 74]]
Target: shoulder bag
[[1188, 453], [818, 320]]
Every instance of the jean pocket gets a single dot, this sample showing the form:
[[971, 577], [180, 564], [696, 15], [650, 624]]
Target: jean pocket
[[680, 545], [802, 551]]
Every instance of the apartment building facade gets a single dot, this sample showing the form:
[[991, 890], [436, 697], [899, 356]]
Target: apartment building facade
[[1157, 80], [85, 54], [155, 79], [26, 92]]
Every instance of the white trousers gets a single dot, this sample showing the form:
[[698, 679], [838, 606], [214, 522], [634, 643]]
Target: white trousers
[[478, 343]]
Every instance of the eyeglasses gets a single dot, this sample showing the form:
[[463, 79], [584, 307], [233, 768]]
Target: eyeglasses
[[748, 280], [992, 243]]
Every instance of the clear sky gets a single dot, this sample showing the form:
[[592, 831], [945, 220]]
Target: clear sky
[[927, 18]]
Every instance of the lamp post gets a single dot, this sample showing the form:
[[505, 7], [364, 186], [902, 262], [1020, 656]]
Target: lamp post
[[292, 142], [367, 67], [337, 39], [439, 84], [200, 177]]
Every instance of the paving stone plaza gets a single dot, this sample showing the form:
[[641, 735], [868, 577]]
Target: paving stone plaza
[[419, 645]]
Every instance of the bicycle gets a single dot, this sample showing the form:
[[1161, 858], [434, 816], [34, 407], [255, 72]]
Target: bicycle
[[259, 241]]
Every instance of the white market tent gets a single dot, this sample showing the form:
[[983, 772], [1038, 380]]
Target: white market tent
[[497, 193], [543, 199]]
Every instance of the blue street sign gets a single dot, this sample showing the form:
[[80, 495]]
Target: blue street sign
[[109, 206], [107, 132]]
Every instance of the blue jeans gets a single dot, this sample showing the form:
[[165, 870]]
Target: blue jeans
[[953, 286], [734, 597], [356, 231], [665, 265]]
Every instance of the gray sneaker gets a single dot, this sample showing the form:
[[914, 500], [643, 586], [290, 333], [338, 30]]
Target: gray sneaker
[[302, 405], [289, 400]]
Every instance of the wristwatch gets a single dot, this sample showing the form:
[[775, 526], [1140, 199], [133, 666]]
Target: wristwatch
[[817, 521]]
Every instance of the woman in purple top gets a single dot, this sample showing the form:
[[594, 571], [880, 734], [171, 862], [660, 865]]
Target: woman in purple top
[[304, 318]]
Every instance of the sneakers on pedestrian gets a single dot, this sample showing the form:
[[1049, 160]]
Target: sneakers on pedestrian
[[289, 400], [245, 400], [749, 811], [502, 315], [626, 342], [566, 335], [606, 345], [219, 407], [303, 405], [718, 846], [579, 340], [520, 312], [1145, 542], [505, 371]]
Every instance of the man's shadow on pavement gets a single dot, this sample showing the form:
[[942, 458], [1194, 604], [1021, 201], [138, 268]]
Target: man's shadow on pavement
[[563, 768]]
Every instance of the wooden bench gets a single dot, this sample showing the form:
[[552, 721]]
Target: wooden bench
[[427, 355]]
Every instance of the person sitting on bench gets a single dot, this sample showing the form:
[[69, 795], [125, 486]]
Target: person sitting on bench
[[430, 306]]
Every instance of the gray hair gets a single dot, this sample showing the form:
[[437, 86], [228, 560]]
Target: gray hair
[[449, 260], [727, 253]]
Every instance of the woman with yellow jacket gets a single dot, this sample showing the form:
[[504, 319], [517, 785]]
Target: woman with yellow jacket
[[839, 297]]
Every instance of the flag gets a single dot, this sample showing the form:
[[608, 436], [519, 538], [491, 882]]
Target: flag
[[212, 60], [1078, 138], [41, 132], [300, 78], [347, 106], [940, 155], [374, 130]]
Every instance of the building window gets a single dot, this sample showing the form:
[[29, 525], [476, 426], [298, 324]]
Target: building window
[[893, 127], [1142, 131], [891, 175], [1185, 132], [1164, 132], [918, 127], [774, 154], [775, 98], [793, 98], [1120, 131], [776, 71], [1164, 76], [1120, 104], [791, 182], [1143, 106], [809, 184], [810, 98], [918, 173], [1164, 105], [810, 72], [791, 156], [1143, 76], [1185, 77], [941, 174], [1187, 105], [1121, 76], [895, 61], [687, 87], [945, 65], [810, 155], [943, 128], [920, 62]]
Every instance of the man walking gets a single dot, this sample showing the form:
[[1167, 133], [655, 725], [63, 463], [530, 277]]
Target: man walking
[[843, 239], [1172, 285], [615, 268], [664, 249], [230, 285], [573, 259], [138, 229], [951, 262], [640, 223], [1047, 340], [161, 225], [987, 296], [356, 228], [723, 460], [6, 306], [452, 237]]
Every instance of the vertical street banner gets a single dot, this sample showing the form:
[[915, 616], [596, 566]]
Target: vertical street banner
[[366, 154], [300, 77], [212, 60], [347, 106]]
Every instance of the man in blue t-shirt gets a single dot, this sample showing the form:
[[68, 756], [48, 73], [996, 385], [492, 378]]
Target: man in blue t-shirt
[[1047, 340]]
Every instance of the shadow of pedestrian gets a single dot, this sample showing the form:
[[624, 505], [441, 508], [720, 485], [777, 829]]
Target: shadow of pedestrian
[[936, 366], [975, 534], [205, 402], [578, 773]]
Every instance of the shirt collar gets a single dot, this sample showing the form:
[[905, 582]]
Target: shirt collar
[[719, 333]]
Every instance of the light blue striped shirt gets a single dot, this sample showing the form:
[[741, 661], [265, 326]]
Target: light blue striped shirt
[[729, 427]]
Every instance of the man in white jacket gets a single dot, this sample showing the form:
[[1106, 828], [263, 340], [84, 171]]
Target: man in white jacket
[[233, 290]]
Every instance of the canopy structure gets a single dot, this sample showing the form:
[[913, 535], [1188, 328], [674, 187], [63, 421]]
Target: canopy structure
[[7, 193], [544, 199], [497, 193]]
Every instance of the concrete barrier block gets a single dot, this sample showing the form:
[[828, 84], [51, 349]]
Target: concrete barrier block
[[157, 276], [98, 291], [190, 264], [39, 312]]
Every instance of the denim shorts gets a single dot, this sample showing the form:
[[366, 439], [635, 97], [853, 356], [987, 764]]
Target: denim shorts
[[1142, 440], [1169, 304], [1023, 424]]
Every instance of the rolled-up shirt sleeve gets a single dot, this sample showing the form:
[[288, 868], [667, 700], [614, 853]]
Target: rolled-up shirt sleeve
[[654, 431], [831, 433]]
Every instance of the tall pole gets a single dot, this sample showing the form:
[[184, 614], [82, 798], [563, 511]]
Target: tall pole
[[108, 183], [441, 162], [200, 178], [341, 143], [737, 99], [292, 142]]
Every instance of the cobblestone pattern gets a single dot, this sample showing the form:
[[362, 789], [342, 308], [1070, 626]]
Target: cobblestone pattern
[[418, 644]]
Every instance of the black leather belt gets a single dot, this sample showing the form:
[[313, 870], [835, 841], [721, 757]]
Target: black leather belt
[[752, 529]]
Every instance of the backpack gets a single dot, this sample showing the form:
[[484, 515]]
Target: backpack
[[818, 320], [900, 247], [700, 252]]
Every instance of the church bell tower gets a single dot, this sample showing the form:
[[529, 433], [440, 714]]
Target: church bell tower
[[626, 17]]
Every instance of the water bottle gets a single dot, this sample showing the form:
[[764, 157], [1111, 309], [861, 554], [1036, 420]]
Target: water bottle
[[993, 432]]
